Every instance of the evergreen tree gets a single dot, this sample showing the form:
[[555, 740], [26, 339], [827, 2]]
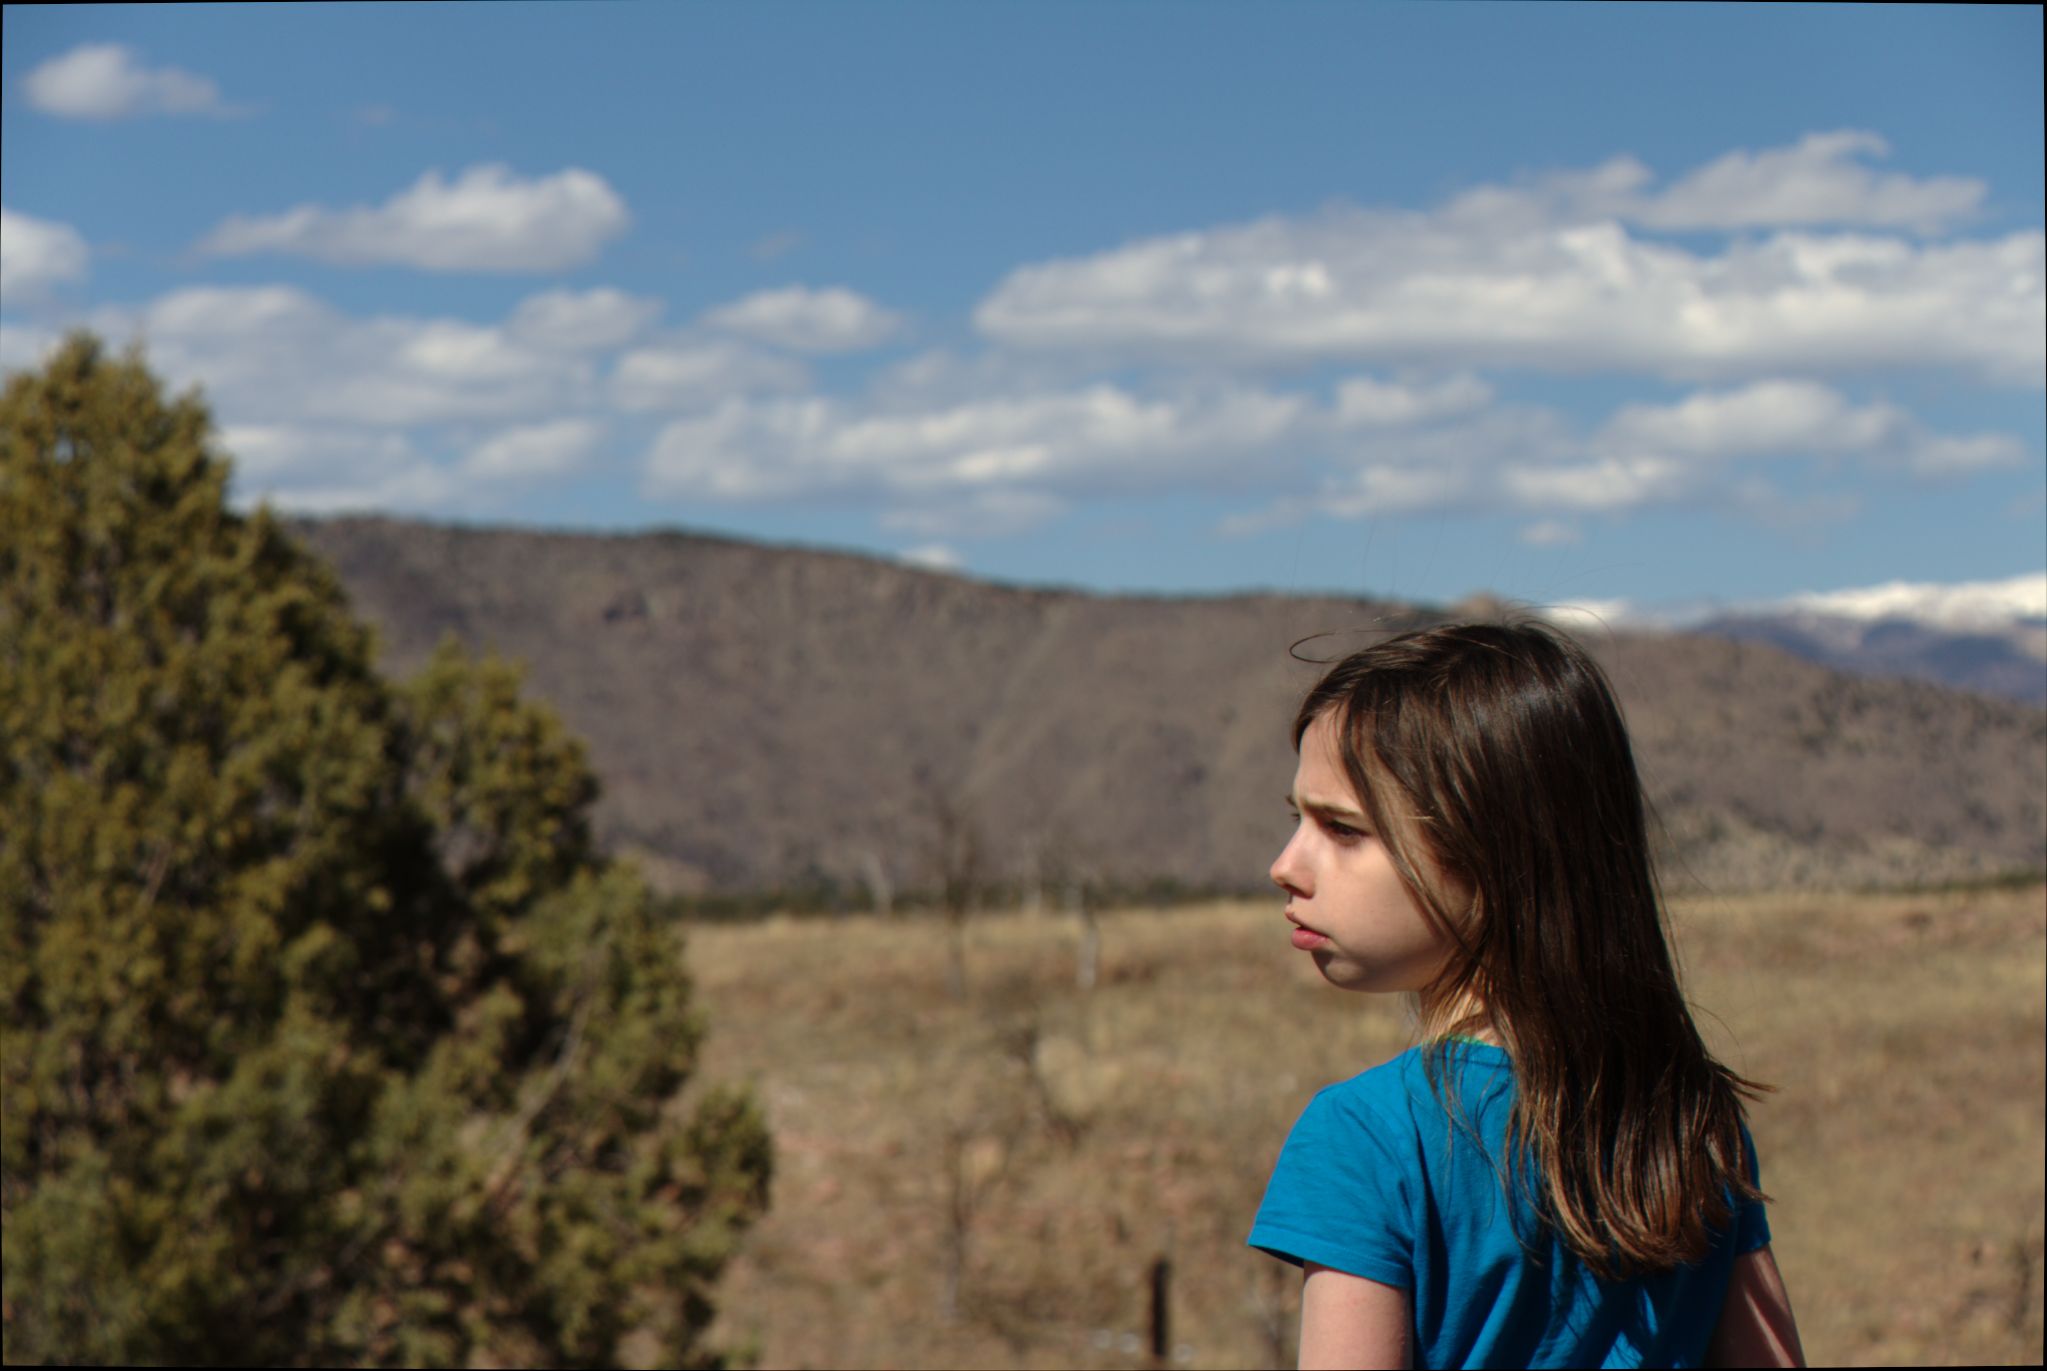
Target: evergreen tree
[[329, 1035]]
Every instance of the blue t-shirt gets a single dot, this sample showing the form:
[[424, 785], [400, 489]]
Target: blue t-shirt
[[1377, 1180]]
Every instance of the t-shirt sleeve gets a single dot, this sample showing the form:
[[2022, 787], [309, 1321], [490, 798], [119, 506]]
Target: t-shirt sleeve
[[1339, 1195], [1751, 1224]]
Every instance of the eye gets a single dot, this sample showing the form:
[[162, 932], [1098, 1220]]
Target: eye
[[1341, 830]]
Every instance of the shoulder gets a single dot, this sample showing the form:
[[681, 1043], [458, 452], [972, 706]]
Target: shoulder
[[1750, 1163], [1751, 1218], [1394, 1114], [1375, 1100], [1411, 1087], [1342, 1190], [1374, 1120]]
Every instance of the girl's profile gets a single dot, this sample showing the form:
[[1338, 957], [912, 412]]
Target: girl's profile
[[1560, 1173]]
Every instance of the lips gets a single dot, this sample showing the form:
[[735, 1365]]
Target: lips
[[1306, 938]]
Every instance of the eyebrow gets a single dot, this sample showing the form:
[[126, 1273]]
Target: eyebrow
[[1322, 808]]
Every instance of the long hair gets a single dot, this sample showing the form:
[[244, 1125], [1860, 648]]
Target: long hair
[[1500, 750]]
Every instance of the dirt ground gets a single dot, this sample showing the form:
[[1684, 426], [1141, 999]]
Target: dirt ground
[[990, 1181]]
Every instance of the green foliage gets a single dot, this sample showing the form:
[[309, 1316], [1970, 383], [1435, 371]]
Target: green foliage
[[329, 1036]]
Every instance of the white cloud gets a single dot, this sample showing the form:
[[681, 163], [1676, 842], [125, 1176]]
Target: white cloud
[[36, 254], [1960, 605], [24, 346], [1373, 446], [1077, 432], [327, 468], [939, 378], [331, 410], [1933, 454], [108, 81], [328, 411], [227, 311], [1589, 616], [460, 353], [582, 321], [830, 320], [337, 412], [1013, 456], [1769, 416], [1363, 401], [691, 375], [333, 469], [1714, 448], [266, 453], [932, 557], [1815, 182], [1797, 418], [274, 354], [1602, 486], [530, 452], [1548, 277], [1007, 459], [1461, 463], [487, 219]]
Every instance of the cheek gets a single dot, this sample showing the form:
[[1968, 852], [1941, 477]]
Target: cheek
[[1403, 916], [1450, 893]]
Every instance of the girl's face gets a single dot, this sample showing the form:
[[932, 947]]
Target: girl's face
[[1350, 909]]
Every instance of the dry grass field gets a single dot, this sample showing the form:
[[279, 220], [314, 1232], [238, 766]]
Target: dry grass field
[[987, 1181]]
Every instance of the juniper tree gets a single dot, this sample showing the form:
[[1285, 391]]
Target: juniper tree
[[329, 1034]]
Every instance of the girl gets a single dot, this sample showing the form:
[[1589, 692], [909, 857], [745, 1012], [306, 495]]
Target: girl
[[1560, 1174]]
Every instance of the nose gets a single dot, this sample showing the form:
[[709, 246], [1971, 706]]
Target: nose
[[1287, 871]]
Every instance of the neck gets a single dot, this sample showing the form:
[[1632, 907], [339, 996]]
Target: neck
[[1462, 1017]]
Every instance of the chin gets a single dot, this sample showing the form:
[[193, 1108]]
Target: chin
[[1340, 974]]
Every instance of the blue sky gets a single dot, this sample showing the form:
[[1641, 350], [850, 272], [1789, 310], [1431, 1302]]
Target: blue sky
[[1668, 304]]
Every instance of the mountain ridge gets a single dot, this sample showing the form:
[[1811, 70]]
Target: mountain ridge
[[774, 717]]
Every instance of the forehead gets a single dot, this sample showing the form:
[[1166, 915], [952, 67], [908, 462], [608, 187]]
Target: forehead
[[1320, 774]]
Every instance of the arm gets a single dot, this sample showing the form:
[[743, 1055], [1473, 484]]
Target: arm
[[1756, 1327], [1348, 1321]]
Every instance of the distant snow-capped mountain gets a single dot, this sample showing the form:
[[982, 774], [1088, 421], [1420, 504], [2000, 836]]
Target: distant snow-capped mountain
[[1981, 635], [1987, 635], [1968, 607]]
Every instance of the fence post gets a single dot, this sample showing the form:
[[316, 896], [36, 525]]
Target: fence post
[[1161, 1312]]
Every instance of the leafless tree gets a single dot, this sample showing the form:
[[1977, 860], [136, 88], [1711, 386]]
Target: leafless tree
[[881, 891], [955, 859], [1062, 866]]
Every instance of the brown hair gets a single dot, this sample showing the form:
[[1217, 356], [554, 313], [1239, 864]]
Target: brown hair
[[1500, 749]]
